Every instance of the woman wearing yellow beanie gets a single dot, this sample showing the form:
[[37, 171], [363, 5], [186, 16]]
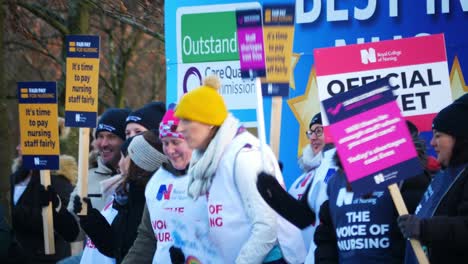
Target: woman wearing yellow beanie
[[224, 167]]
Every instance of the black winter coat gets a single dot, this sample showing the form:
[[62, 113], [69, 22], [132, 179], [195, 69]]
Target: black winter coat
[[446, 233], [27, 218], [125, 224], [116, 239]]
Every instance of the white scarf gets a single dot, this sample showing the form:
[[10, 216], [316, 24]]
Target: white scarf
[[109, 185], [203, 164], [309, 160]]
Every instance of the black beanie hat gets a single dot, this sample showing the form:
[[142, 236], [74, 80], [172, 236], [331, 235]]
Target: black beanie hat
[[453, 119], [113, 120], [149, 116], [317, 119]]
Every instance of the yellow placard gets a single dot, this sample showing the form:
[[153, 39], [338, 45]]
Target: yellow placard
[[278, 52], [82, 84], [39, 129]]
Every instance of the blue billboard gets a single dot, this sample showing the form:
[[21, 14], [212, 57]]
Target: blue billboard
[[318, 24]]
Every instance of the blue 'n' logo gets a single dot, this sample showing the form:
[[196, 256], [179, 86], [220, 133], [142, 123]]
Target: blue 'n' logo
[[164, 192]]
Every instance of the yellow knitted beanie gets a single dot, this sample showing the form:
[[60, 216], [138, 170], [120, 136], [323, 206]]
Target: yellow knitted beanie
[[203, 104]]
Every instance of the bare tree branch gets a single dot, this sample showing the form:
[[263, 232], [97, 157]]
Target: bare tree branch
[[33, 48], [136, 25], [48, 16], [128, 21]]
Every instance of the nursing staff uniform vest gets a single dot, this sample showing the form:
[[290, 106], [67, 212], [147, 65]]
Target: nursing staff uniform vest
[[316, 196], [362, 225], [230, 227], [297, 190], [90, 253], [170, 207], [300, 185]]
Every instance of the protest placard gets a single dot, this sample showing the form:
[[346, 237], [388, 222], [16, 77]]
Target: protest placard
[[371, 137], [373, 142], [39, 140], [38, 115], [81, 102], [250, 43], [278, 35], [252, 59], [278, 32]]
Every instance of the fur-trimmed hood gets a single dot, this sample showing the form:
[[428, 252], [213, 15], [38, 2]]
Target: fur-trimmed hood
[[308, 160], [68, 168]]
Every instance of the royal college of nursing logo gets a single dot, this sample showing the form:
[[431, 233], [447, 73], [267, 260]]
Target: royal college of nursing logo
[[164, 192], [379, 178], [39, 162], [368, 56], [79, 118], [371, 56]]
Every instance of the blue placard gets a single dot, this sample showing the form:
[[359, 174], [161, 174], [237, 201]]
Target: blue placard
[[283, 10], [392, 175], [41, 162], [84, 46], [37, 93], [370, 90], [275, 89], [80, 119]]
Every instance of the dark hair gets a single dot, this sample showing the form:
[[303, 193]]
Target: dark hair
[[136, 174], [337, 161], [420, 146], [459, 151], [413, 129], [124, 146]]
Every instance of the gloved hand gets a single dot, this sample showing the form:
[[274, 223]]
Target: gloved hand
[[267, 185], [77, 204], [296, 212], [410, 226], [96, 227], [49, 195], [177, 256]]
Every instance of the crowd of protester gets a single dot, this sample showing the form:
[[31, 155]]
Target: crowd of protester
[[189, 184]]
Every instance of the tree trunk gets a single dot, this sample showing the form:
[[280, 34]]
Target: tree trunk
[[6, 138]]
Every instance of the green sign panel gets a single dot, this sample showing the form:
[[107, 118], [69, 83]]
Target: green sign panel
[[209, 37]]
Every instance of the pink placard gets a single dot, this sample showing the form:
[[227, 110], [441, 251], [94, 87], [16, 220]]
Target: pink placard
[[372, 141]]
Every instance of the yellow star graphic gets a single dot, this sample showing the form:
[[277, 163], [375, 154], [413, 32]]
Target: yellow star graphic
[[304, 108], [295, 58], [457, 81]]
